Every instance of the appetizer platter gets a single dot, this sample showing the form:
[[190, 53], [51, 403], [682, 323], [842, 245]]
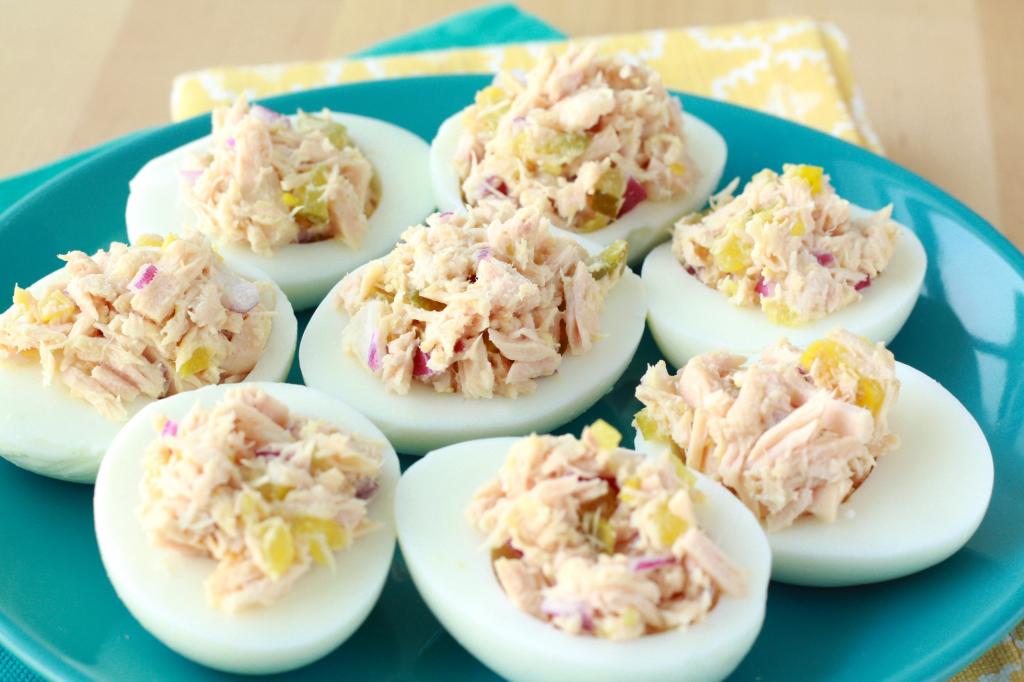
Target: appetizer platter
[[583, 378]]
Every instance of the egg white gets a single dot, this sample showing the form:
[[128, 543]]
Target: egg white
[[164, 590], [47, 430], [922, 503], [303, 271], [688, 318], [644, 226], [424, 419], [452, 570]]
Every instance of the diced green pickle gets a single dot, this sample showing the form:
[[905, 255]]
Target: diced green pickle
[[552, 152], [609, 192], [335, 132], [611, 261], [594, 223], [310, 198], [425, 303]]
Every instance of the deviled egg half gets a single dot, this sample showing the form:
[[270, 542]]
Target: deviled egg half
[[787, 256], [305, 198], [861, 468], [249, 528], [594, 142], [89, 345], [476, 325], [552, 558]]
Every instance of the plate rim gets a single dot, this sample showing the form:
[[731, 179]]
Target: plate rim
[[958, 652]]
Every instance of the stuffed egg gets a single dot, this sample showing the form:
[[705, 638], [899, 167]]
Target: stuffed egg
[[553, 558], [478, 324], [89, 345], [250, 527], [787, 256], [861, 469], [594, 142], [305, 198]]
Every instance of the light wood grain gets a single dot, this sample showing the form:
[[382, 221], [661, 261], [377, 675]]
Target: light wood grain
[[942, 80]]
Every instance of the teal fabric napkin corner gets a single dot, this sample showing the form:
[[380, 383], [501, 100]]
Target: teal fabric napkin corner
[[491, 25]]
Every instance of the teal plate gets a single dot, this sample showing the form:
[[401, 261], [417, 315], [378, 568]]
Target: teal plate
[[59, 613]]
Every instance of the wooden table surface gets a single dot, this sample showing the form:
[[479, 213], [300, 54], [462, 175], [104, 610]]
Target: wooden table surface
[[941, 78]]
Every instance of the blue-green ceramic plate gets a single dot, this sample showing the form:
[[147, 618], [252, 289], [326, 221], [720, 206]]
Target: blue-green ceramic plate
[[59, 613]]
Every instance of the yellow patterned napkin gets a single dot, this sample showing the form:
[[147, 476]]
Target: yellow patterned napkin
[[795, 68]]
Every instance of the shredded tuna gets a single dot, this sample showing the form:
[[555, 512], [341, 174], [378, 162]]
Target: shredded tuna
[[264, 492], [110, 340], [787, 243], [599, 540], [583, 139], [267, 182], [791, 434], [481, 304]]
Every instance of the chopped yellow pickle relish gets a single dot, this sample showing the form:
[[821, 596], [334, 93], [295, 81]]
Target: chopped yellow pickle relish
[[731, 253], [152, 240], [24, 298], [491, 103], [832, 360], [780, 313], [276, 546], [812, 174], [606, 435], [611, 260], [56, 307], [670, 526], [647, 426], [198, 361]]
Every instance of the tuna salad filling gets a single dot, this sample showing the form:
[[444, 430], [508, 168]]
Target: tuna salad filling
[[793, 433], [582, 139], [787, 243], [139, 321], [601, 541], [268, 181], [477, 304], [264, 492]]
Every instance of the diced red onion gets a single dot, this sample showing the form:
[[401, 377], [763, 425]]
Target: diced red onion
[[241, 296], [634, 194], [495, 186], [367, 489], [863, 284], [765, 287], [556, 608], [268, 452], [650, 563], [691, 270], [460, 346], [266, 115], [446, 215], [825, 258], [190, 175], [372, 356], [518, 123], [420, 367], [484, 253], [144, 276], [170, 428]]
